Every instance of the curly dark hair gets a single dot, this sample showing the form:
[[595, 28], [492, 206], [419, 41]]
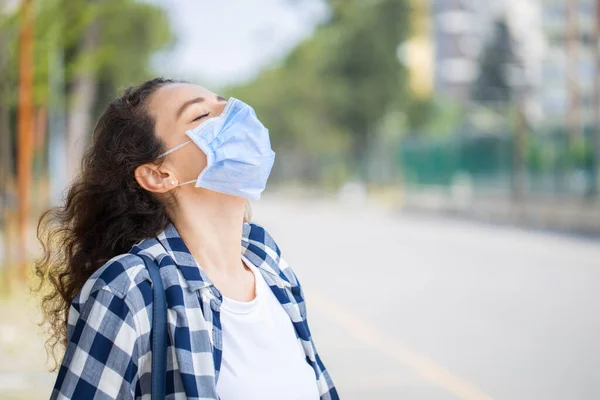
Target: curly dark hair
[[105, 211]]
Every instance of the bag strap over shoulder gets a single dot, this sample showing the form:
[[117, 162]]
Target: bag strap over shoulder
[[159, 331]]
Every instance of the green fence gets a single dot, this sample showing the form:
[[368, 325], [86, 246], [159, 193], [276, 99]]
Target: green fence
[[554, 165]]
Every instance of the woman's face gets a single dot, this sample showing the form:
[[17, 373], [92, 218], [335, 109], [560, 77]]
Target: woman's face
[[177, 108]]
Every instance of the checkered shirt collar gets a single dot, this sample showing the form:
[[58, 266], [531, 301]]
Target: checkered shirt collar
[[253, 246]]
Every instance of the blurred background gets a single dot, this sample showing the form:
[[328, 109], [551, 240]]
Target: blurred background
[[442, 158]]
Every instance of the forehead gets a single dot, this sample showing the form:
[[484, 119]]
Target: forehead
[[165, 102]]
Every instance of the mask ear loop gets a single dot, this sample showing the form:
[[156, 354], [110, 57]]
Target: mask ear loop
[[185, 183], [166, 153]]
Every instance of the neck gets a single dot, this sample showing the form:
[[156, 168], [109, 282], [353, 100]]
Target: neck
[[210, 224]]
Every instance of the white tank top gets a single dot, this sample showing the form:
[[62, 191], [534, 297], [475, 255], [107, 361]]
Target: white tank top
[[262, 358]]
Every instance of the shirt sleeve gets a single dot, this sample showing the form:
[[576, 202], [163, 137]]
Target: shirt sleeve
[[100, 361]]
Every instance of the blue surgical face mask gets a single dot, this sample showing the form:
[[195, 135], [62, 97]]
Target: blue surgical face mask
[[238, 152]]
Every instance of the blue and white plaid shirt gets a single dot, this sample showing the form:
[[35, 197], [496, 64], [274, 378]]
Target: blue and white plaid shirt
[[109, 352]]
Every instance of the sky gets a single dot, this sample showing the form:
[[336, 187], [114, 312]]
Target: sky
[[222, 43]]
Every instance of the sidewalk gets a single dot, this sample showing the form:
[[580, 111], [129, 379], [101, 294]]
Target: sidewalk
[[24, 370], [566, 215]]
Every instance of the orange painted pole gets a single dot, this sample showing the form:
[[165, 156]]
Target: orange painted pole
[[25, 134]]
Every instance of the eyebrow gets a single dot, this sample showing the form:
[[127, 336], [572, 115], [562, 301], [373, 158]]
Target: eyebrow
[[188, 103]]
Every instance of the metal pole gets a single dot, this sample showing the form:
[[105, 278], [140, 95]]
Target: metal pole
[[6, 173], [25, 139], [572, 87], [57, 143], [596, 113]]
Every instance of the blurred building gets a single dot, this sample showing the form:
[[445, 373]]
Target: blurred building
[[539, 30], [524, 19], [458, 31], [554, 92]]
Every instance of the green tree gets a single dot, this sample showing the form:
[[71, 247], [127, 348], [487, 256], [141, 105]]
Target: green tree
[[103, 44], [329, 94], [493, 87]]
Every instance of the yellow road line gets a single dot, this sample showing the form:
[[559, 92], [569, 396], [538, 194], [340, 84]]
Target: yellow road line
[[392, 347]]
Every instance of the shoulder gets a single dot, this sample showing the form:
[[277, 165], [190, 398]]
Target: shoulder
[[123, 276], [259, 234]]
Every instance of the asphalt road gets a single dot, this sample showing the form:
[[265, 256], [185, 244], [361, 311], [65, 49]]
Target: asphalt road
[[406, 307]]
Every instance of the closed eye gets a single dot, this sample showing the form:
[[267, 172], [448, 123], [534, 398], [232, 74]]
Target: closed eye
[[200, 117]]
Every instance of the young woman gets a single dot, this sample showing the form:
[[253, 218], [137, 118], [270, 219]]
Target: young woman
[[168, 175]]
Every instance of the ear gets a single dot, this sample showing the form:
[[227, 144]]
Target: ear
[[151, 178]]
